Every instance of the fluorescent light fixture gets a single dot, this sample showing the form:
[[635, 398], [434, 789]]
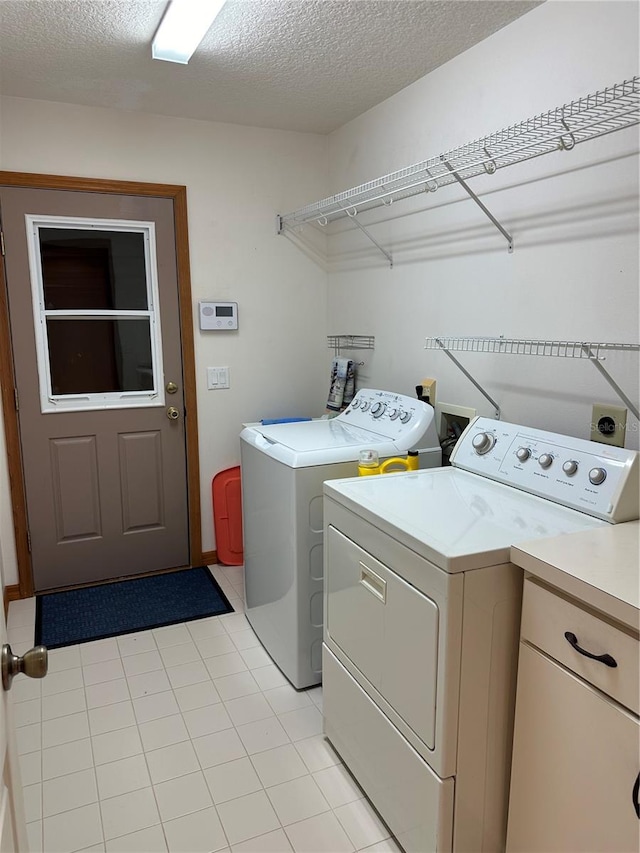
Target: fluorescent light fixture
[[182, 28]]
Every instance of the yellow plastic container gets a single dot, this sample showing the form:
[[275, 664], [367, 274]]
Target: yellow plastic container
[[369, 463], [410, 463]]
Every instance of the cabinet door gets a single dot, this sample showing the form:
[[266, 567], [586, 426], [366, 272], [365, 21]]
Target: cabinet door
[[576, 759]]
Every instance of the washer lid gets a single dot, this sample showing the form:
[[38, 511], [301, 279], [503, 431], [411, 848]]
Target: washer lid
[[455, 519], [318, 442], [320, 435]]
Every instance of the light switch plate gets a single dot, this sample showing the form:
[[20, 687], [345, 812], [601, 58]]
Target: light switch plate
[[217, 378]]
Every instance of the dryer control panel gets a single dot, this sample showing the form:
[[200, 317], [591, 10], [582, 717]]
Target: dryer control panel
[[597, 479]]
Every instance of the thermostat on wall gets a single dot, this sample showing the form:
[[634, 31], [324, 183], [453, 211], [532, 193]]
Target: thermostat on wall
[[218, 315]]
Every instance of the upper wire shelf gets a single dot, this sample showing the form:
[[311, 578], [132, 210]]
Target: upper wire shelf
[[561, 129]]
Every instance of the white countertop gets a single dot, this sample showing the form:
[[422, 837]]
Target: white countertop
[[600, 567]]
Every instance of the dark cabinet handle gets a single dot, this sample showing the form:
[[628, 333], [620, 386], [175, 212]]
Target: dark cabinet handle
[[634, 795], [607, 660]]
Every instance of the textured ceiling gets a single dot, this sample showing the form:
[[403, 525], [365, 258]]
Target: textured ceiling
[[307, 65]]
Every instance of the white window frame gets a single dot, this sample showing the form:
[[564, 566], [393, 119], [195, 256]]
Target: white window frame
[[50, 402]]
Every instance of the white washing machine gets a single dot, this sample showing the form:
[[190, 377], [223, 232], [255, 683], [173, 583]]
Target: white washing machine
[[283, 468], [422, 610]]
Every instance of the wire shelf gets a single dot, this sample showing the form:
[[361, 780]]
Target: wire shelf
[[595, 352], [562, 128], [340, 342], [516, 346]]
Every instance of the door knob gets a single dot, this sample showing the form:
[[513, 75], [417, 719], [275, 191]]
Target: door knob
[[171, 387], [172, 413], [33, 663]]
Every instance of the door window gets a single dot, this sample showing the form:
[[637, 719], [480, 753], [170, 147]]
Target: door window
[[95, 302]]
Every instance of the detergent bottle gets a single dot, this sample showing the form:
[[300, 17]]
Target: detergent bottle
[[369, 463], [410, 463]]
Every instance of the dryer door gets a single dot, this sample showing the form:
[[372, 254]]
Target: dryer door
[[387, 629]]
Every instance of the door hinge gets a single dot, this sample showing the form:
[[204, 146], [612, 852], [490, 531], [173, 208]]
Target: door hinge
[[2, 242], [29, 541]]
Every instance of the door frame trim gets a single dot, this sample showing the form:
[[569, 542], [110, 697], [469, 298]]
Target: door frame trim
[[178, 194]]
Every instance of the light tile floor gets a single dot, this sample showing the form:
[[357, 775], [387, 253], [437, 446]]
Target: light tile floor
[[184, 739]]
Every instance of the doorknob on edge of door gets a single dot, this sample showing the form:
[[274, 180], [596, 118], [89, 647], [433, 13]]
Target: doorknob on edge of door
[[33, 663], [172, 413]]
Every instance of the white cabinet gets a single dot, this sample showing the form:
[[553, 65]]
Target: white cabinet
[[576, 755]]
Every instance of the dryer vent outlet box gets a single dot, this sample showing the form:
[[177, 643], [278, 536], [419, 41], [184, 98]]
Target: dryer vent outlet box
[[452, 420]]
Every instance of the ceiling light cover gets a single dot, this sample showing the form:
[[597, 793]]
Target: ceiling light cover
[[182, 28]]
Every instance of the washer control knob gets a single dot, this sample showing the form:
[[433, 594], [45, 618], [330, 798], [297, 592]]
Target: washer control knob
[[570, 467], [365, 405], [597, 476], [393, 414], [523, 453], [483, 442], [546, 460], [405, 417], [378, 410], [355, 404]]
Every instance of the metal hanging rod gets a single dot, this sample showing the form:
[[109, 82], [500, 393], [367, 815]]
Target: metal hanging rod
[[560, 129], [594, 352]]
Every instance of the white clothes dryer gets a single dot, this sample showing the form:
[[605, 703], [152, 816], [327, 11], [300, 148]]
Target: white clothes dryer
[[422, 611], [283, 468]]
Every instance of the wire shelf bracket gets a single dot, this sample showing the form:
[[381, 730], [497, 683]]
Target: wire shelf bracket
[[482, 206], [593, 352], [561, 129]]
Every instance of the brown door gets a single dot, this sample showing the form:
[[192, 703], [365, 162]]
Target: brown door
[[94, 315]]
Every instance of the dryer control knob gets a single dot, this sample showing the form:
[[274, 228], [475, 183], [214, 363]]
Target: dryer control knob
[[483, 442], [597, 476], [570, 467], [523, 453], [546, 460]]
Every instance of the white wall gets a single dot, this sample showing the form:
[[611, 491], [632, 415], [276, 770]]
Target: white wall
[[573, 215], [237, 179]]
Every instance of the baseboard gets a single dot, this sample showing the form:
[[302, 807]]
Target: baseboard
[[11, 593], [209, 558]]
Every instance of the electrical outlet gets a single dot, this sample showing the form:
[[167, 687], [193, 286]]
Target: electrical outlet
[[608, 424], [451, 419]]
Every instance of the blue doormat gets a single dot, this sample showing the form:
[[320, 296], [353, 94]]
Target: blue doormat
[[123, 607]]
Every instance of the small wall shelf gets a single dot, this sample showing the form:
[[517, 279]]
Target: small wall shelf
[[350, 342], [594, 352], [560, 129], [339, 342]]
